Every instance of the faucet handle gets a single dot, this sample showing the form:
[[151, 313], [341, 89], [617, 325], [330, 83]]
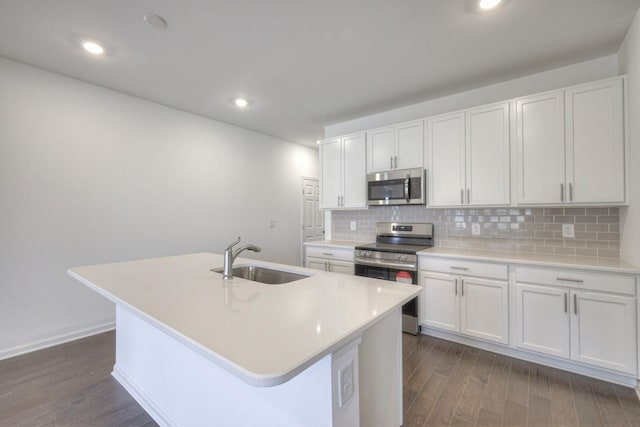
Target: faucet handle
[[233, 244]]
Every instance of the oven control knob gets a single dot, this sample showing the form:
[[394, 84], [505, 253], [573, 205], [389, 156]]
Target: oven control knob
[[368, 254]]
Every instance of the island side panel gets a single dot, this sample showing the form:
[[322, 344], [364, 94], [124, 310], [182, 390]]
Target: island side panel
[[380, 357], [179, 387]]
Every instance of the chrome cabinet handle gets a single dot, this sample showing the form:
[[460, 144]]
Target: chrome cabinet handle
[[338, 200], [565, 302], [395, 161], [407, 180], [575, 304], [462, 287], [327, 254], [391, 162], [461, 196], [566, 279], [571, 192], [468, 197], [456, 287], [561, 192], [453, 267]]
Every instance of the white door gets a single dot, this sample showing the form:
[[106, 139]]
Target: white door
[[487, 155], [410, 145], [355, 171], [445, 142], [484, 309], [312, 216], [603, 331], [540, 156], [380, 149], [439, 305], [595, 142], [542, 319], [330, 173]]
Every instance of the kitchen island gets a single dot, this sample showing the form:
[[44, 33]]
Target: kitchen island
[[195, 350]]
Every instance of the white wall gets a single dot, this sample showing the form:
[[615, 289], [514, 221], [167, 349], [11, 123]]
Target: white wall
[[629, 56], [582, 72], [89, 175]]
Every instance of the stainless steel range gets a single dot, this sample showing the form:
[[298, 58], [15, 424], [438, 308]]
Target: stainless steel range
[[393, 257]]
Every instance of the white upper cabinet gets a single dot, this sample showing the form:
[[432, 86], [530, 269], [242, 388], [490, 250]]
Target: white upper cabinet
[[395, 147], [595, 142], [540, 148], [570, 146], [343, 173], [468, 157], [446, 158], [488, 158]]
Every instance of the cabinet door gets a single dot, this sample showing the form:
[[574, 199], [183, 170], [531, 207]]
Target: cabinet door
[[354, 172], [330, 173], [595, 142], [410, 145], [484, 309], [540, 156], [316, 263], [381, 149], [487, 155], [341, 267], [542, 319], [439, 305], [603, 330], [445, 142]]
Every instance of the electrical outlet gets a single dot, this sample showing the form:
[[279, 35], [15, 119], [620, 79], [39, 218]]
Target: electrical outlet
[[568, 231], [345, 384], [272, 223], [475, 229], [353, 226]]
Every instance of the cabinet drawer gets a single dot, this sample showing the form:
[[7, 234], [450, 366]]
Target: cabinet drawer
[[463, 267], [340, 254], [605, 282]]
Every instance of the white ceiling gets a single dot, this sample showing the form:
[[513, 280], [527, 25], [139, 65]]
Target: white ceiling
[[307, 63]]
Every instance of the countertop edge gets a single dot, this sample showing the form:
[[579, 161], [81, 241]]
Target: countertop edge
[[583, 263]]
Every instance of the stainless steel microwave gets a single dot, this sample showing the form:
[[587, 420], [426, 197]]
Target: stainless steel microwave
[[396, 187]]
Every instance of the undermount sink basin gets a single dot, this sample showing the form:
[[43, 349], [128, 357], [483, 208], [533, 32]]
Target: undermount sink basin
[[265, 275]]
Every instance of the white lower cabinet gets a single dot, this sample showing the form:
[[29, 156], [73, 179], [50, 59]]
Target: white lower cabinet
[[337, 260], [473, 306], [583, 325]]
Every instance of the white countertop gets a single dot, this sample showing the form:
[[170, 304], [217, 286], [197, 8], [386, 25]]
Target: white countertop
[[335, 243], [263, 334], [615, 265]]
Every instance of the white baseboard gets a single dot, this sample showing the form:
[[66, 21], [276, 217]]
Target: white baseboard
[[140, 397], [57, 339]]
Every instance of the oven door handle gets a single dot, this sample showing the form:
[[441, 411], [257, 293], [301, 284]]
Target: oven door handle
[[407, 180], [382, 263]]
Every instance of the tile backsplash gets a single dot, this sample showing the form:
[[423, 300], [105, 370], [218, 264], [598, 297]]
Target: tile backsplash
[[526, 230]]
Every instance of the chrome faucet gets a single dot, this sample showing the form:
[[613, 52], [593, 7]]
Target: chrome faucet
[[230, 255]]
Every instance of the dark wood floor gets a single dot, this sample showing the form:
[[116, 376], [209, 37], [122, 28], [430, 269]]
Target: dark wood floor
[[444, 384], [450, 384]]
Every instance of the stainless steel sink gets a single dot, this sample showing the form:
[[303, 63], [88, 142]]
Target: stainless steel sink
[[262, 274]]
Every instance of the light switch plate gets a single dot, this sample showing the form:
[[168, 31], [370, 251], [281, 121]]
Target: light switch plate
[[345, 384], [568, 231], [353, 226], [272, 223]]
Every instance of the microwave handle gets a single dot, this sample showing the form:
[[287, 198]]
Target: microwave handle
[[407, 180]]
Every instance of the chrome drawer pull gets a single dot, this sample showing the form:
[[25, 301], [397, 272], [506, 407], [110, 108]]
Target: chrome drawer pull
[[456, 287], [565, 279], [565, 302], [459, 268], [575, 304], [327, 253]]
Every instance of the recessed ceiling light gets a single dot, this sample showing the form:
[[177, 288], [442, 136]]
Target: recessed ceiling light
[[241, 102], [93, 47], [488, 4]]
